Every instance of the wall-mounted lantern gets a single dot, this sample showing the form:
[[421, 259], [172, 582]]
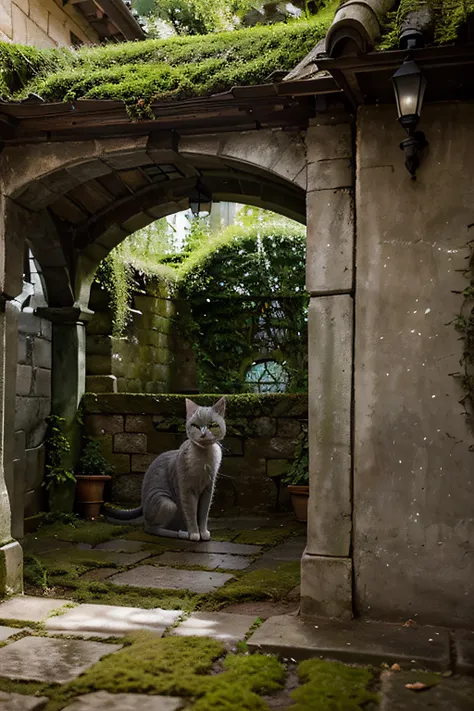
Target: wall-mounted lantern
[[409, 85], [200, 201]]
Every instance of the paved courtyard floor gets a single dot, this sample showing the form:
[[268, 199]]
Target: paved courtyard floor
[[115, 619]]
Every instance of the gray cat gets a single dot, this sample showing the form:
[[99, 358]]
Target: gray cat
[[178, 486]]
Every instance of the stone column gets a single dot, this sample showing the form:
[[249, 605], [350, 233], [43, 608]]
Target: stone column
[[326, 587], [11, 263], [68, 369]]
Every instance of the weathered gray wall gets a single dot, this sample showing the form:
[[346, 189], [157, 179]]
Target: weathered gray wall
[[33, 404], [414, 476]]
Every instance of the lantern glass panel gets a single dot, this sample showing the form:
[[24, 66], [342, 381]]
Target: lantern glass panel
[[409, 85]]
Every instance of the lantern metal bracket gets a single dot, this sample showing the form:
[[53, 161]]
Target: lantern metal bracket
[[411, 147]]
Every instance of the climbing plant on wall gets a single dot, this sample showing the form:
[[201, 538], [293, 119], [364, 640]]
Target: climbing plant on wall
[[245, 301]]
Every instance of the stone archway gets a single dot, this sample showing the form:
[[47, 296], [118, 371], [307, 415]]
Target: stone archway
[[79, 199]]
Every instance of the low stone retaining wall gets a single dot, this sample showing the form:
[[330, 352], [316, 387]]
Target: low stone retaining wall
[[262, 431]]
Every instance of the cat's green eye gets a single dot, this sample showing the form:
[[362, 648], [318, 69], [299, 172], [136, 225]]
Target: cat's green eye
[[213, 425]]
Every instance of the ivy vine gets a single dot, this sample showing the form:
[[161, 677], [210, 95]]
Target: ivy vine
[[298, 473], [464, 324], [56, 448], [244, 299]]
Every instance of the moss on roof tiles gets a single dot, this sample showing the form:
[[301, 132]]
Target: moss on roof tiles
[[139, 73], [450, 18]]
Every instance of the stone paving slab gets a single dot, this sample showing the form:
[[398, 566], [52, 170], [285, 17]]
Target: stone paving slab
[[112, 620], [224, 626], [285, 552], [19, 702], [51, 660], [368, 642], [453, 694], [121, 545], [150, 576], [31, 609], [204, 560], [98, 556], [103, 701], [6, 632], [464, 644], [211, 546]]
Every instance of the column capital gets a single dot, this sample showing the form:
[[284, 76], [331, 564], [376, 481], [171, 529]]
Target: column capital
[[65, 314]]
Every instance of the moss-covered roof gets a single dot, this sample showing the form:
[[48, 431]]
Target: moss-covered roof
[[181, 67], [449, 20], [140, 73]]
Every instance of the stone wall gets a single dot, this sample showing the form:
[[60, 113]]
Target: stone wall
[[261, 437], [413, 538], [141, 361], [33, 404], [43, 23]]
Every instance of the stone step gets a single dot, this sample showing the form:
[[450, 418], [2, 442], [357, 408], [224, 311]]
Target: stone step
[[354, 642]]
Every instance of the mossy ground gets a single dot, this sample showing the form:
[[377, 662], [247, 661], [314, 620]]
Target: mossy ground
[[200, 671], [76, 530], [59, 572], [330, 686]]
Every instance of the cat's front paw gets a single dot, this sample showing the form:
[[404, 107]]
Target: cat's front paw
[[194, 537], [205, 536]]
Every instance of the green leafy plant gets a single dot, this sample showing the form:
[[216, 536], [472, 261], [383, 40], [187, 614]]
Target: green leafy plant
[[243, 299], [298, 473], [464, 324], [56, 449], [92, 462]]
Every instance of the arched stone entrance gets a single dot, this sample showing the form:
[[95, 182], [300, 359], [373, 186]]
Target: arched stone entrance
[[74, 201]]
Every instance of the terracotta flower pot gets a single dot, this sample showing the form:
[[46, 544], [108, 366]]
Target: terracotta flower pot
[[90, 493], [299, 499]]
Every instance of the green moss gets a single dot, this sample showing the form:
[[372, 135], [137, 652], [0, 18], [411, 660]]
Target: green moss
[[181, 67], [125, 596], [28, 688], [21, 624], [262, 584], [224, 534], [331, 686], [78, 531], [450, 18], [34, 572], [264, 536], [180, 667]]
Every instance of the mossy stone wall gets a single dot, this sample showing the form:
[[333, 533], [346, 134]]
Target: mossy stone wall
[[141, 361], [261, 437]]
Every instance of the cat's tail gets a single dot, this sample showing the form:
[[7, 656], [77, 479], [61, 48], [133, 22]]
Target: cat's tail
[[123, 514]]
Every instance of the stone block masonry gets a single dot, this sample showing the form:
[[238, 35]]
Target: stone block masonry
[[144, 361], [262, 431], [33, 405], [43, 23]]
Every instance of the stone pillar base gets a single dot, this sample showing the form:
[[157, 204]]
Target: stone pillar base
[[326, 587], [11, 568]]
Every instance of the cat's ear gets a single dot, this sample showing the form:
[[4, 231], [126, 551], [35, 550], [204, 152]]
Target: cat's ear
[[219, 407], [191, 408]]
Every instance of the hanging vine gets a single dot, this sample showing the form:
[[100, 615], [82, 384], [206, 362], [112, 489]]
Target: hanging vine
[[464, 323]]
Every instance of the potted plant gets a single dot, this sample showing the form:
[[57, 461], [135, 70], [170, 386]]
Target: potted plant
[[93, 471], [59, 480], [297, 478]]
